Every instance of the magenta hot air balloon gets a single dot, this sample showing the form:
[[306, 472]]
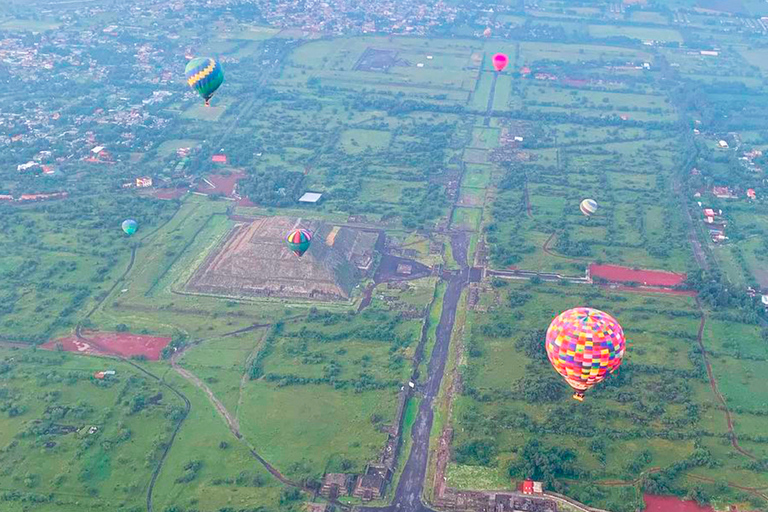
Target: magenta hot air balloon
[[500, 61]]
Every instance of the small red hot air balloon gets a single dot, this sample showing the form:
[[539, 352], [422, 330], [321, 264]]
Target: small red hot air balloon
[[500, 61]]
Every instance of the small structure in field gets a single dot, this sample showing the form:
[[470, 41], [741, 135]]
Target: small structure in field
[[310, 197], [336, 484]]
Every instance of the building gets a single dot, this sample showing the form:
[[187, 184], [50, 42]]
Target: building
[[722, 144], [751, 193], [143, 182], [310, 197], [336, 484], [723, 192], [528, 487], [764, 300], [4, 197], [709, 212], [403, 269], [709, 53], [369, 487], [219, 159], [97, 150], [26, 166]]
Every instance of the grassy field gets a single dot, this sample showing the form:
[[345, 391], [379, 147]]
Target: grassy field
[[642, 33], [661, 333], [68, 436]]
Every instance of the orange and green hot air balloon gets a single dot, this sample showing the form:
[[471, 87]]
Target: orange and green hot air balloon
[[299, 241], [584, 346], [204, 75]]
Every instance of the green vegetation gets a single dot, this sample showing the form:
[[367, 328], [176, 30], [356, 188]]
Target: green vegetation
[[415, 137]]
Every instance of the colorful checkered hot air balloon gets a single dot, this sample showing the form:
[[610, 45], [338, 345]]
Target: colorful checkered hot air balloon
[[204, 75], [584, 345], [588, 207], [298, 241], [130, 226]]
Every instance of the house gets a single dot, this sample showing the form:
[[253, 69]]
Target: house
[[97, 150], [751, 193], [310, 197], [709, 212], [538, 488], [4, 197], [404, 269], [335, 485], [26, 166], [723, 192], [219, 159], [764, 300], [709, 53], [528, 487], [722, 144], [143, 182]]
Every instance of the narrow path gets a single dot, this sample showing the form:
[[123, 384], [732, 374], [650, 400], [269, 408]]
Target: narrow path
[[489, 106], [244, 378], [715, 390], [187, 408], [232, 423]]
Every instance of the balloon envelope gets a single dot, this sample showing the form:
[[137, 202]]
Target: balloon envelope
[[500, 61], [299, 241], [588, 207], [204, 75], [584, 346], [130, 226]]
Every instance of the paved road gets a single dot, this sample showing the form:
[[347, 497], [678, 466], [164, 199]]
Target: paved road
[[409, 489]]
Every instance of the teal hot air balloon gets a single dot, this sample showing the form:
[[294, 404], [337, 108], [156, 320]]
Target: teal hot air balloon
[[204, 75], [130, 226], [299, 241]]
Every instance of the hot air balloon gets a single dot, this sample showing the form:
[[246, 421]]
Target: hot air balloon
[[588, 207], [500, 61], [487, 32], [584, 345], [130, 226], [298, 241], [204, 75]]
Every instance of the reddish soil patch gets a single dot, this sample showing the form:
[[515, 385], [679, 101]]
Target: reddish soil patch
[[112, 343], [169, 193], [672, 504], [221, 184], [619, 274], [244, 201]]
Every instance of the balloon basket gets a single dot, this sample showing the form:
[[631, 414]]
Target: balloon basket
[[579, 397]]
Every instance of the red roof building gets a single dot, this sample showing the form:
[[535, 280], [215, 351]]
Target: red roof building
[[751, 193], [528, 487], [525, 70], [219, 159], [709, 212]]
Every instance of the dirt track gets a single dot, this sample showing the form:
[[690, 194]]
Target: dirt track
[[409, 489]]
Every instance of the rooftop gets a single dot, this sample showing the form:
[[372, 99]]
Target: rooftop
[[310, 197]]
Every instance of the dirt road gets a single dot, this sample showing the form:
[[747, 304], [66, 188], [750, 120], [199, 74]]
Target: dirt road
[[409, 489]]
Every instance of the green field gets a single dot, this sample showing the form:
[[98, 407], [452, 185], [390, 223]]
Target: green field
[[645, 34], [662, 370], [399, 132]]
